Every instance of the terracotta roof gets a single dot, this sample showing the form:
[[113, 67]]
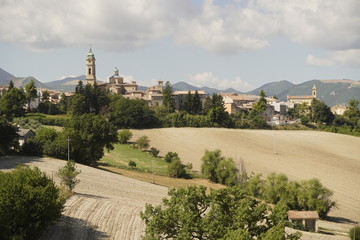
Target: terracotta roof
[[302, 214], [22, 132], [300, 97], [186, 92]]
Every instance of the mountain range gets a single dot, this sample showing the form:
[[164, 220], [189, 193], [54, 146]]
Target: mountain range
[[332, 92]]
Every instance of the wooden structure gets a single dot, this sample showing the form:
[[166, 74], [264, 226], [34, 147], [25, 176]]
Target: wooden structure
[[307, 218]]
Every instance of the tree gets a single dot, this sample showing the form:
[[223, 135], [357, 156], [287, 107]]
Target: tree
[[197, 105], [30, 93], [210, 162], [11, 85], [154, 151], [320, 112], [77, 105], [170, 156], [124, 136], [260, 105], [8, 137], [89, 135], [189, 103], [226, 172], [168, 98], [29, 203], [143, 142], [177, 169], [68, 174], [227, 213], [217, 111], [79, 89], [12, 103], [63, 104], [45, 96]]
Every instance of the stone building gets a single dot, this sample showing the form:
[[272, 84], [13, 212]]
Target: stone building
[[303, 99], [306, 218]]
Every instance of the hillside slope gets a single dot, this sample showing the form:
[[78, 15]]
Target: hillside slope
[[105, 206], [332, 158]]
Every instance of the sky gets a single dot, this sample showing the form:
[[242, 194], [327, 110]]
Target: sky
[[240, 44]]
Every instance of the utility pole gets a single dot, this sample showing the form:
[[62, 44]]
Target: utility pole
[[68, 145]]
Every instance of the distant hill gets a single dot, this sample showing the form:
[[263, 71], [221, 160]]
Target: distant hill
[[5, 77], [66, 84], [332, 92], [183, 86]]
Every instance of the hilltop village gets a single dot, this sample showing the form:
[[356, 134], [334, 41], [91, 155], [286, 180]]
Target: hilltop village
[[275, 112]]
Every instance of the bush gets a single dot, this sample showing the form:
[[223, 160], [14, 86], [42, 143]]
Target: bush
[[143, 142], [154, 151], [170, 156], [29, 203], [177, 169], [210, 162], [124, 136], [354, 233], [132, 164], [67, 175]]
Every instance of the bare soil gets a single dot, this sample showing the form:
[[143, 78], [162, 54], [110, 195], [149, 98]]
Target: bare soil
[[332, 158]]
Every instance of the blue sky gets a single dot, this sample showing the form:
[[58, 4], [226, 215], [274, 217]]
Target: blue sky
[[241, 44]]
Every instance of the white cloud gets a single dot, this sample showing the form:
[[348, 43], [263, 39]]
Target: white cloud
[[349, 57], [210, 80], [320, 62], [116, 25]]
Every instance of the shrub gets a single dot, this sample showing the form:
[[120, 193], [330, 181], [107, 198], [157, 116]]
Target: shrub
[[124, 136], [177, 169], [132, 164], [210, 162], [170, 156], [143, 142], [67, 175], [29, 203], [154, 151], [354, 233]]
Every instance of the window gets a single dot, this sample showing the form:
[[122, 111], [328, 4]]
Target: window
[[89, 71]]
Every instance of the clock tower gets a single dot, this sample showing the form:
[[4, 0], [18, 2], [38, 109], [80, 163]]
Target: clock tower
[[90, 68]]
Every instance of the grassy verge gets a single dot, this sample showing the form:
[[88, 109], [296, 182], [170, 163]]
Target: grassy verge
[[124, 153]]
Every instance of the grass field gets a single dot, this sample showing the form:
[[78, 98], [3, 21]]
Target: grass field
[[124, 153]]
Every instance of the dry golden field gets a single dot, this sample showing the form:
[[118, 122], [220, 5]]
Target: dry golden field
[[332, 158]]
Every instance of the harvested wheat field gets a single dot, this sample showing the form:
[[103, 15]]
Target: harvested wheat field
[[105, 206], [332, 158]]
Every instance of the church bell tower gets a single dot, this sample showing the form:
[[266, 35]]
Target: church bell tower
[[314, 91], [90, 68]]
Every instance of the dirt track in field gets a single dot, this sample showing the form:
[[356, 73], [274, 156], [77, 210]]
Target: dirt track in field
[[332, 158], [105, 206]]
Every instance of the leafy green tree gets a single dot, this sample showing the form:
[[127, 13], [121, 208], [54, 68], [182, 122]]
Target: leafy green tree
[[217, 111], [132, 164], [68, 174], [45, 96], [170, 156], [210, 162], [143, 142], [77, 106], [131, 113], [189, 103], [207, 105], [124, 136], [168, 98], [226, 172], [8, 137], [30, 93], [89, 135], [197, 104], [260, 105], [227, 213], [79, 89], [12, 103], [63, 104], [320, 112], [29, 203], [352, 110], [154, 151], [177, 169]]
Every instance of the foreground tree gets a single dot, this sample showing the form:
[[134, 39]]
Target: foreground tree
[[89, 135], [12, 103], [8, 137], [223, 214], [29, 203]]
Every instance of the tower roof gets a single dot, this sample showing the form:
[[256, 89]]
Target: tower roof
[[314, 87], [90, 53]]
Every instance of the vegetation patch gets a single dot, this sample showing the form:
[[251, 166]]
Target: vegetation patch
[[123, 154]]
